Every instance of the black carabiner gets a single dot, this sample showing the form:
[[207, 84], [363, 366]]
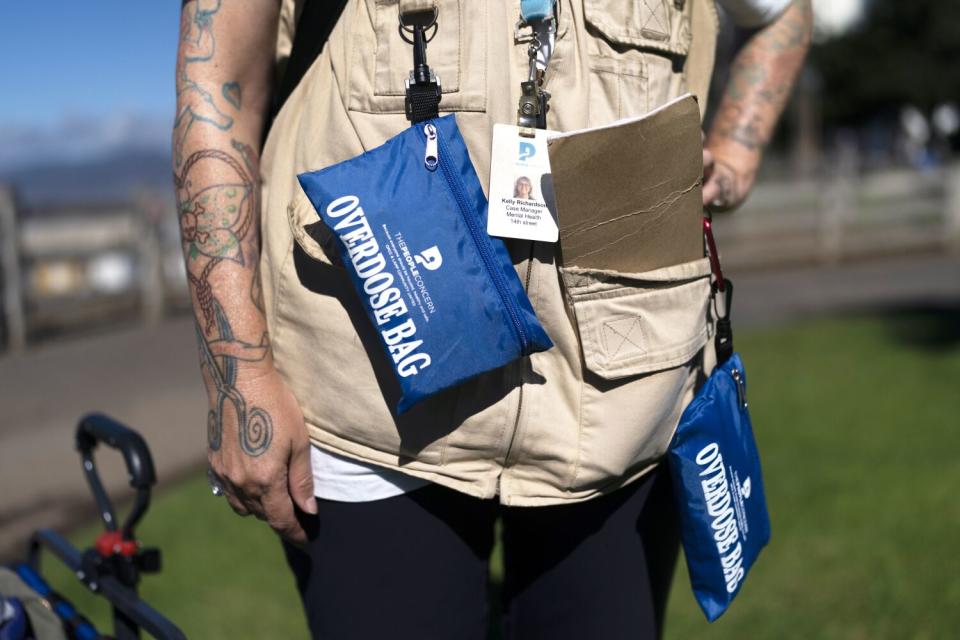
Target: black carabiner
[[423, 91]]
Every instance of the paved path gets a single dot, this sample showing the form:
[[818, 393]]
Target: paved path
[[774, 296], [148, 377]]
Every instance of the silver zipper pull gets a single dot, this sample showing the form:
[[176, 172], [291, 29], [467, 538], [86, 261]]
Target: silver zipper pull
[[741, 387], [431, 156]]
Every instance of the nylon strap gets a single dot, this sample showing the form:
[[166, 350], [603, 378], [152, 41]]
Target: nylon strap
[[422, 103]]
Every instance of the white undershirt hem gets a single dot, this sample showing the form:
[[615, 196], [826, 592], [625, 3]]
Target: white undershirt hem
[[343, 479]]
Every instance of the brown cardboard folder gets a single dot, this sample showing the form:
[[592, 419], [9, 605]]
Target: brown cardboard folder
[[628, 194]]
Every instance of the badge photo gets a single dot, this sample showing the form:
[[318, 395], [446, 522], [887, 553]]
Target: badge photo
[[521, 187]]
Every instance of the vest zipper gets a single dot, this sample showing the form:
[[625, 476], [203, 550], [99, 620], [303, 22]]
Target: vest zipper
[[480, 238]]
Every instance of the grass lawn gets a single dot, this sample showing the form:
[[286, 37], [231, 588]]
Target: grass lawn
[[857, 425]]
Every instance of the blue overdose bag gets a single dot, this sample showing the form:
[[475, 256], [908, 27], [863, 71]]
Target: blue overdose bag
[[409, 218], [718, 485]]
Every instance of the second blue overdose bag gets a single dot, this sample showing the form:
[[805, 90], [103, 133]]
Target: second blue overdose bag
[[718, 484], [410, 221]]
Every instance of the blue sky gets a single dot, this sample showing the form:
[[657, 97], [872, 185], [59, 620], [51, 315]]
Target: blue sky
[[78, 79], [67, 59]]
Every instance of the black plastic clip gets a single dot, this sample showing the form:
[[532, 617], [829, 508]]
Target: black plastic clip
[[724, 337], [423, 92]]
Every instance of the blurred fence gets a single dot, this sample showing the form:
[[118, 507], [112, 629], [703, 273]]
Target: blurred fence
[[845, 216], [64, 267]]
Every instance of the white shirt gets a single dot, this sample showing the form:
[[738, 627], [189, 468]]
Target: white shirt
[[339, 478], [753, 13]]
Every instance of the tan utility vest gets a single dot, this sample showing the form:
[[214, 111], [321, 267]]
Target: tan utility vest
[[584, 418]]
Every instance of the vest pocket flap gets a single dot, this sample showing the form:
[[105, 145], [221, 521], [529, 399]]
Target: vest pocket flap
[[631, 324], [382, 56], [660, 25], [308, 230]]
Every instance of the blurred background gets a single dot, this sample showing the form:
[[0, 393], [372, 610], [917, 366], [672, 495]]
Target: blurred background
[[846, 260]]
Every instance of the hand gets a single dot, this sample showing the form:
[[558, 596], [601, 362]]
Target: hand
[[725, 187], [263, 462]]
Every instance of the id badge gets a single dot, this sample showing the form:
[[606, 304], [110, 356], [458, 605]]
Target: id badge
[[521, 187]]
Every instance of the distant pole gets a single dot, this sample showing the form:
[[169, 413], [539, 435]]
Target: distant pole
[[952, 214], [151, 268], [10, 273], [839, 200], [805, 109]]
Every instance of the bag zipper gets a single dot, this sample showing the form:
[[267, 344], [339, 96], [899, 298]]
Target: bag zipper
[[430, 158], [741, 387], [440, 155]]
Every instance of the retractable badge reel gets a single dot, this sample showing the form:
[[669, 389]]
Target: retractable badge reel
[[423, 91], [540, 17]]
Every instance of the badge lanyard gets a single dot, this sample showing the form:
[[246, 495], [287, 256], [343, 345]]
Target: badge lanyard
[[541, 16]]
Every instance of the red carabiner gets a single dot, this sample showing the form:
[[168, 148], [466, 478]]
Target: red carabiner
[[714, 255]]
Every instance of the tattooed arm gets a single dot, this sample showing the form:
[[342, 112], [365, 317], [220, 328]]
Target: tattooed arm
[[257, 439], [761, 78]]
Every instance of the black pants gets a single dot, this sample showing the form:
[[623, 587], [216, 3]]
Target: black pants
[[415, 566]]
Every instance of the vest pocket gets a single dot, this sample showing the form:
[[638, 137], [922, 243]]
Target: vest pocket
[[655, 25], [382, 60], [309, 232], [636, 51], [330, 356], [640, 335]]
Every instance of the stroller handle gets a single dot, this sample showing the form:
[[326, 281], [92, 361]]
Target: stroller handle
[[97, 427]]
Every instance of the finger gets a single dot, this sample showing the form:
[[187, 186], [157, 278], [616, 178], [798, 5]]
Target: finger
[[227, 490], [708, 162], [236, 504], [711, 191], [242, 501], [300, 479], [280, 514]]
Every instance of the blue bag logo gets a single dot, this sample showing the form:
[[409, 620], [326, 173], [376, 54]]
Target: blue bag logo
[[430, 259], [527, 151]]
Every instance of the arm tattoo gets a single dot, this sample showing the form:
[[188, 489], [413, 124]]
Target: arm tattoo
[[761, 79], [219, 357], [232, 94], [215, 222], [195, 101], [214, 219], [218, 206]]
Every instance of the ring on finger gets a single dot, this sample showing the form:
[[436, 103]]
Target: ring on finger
[[216, 486]]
